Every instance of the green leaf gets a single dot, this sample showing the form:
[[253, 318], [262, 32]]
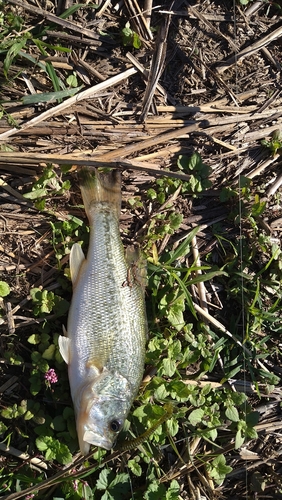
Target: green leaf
[[258, 207], [28, 415], [195, 185], [37, 193], [218, 469], [4, 289], [155, 491], [54, 449], [102, 482], [8, 413], [126, 33], [136, 42], [195, 162], [3, 427], [196, 416], [182, 162], [60, 306], [39, 362], [151, 194], [13, 52], [118, 484], [50, 454], [53, 76], [161, 393], [172, 426], [178, 390], [175, 314], [232, 414], [49, 353], [140, 412], [50, 97], [168, 367], [71, 10], [175, 220], [59, 423], [210, 434], [206, 390], [129, 37], [107, 496], [63, 455], [35, 384], [205, 277], [173, 491], [183, 248], [252, 418], [239, 439], [40, 205], [175, 348], [135, 467], [68, 413], [72, 81], [251, 433], [42, 442], [34, 339]]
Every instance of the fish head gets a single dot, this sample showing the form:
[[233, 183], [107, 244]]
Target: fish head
[[103, 409]]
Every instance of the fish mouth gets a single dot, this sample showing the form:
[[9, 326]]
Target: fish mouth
[[97, 440]]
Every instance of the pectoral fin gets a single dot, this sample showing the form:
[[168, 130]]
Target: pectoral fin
[[77, 257], [64, 347]]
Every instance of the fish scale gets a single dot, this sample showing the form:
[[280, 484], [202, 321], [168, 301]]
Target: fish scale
[[106, 334]]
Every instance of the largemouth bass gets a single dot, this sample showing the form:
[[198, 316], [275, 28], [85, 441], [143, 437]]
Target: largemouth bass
[[104, 344]]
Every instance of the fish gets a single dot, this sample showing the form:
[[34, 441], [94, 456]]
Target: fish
[[104, 344]]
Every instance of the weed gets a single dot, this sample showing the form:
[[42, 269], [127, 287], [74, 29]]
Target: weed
[[178, 341], [49, 184], [130, 38], [199, 172], [4, 289], [193, 165], [275, 143]]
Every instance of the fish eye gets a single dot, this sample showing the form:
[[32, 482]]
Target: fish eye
[[115, 425]]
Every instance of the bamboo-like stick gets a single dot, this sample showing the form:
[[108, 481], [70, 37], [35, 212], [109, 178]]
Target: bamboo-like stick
[[263, 166], [276, 185], [251, 49], [143, 70], [23, 456], [35, 159], [147, 143], [55, 19], [104, 7], [222, 122], [148, 4], [85, 94], [200, 284]]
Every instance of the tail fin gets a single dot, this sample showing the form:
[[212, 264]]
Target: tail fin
[[98, 187]]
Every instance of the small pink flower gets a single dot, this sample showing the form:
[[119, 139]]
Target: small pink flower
[[75, 485], [29, 497], [51, 376]]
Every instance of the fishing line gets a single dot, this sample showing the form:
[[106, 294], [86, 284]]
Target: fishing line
[[240, 228]]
